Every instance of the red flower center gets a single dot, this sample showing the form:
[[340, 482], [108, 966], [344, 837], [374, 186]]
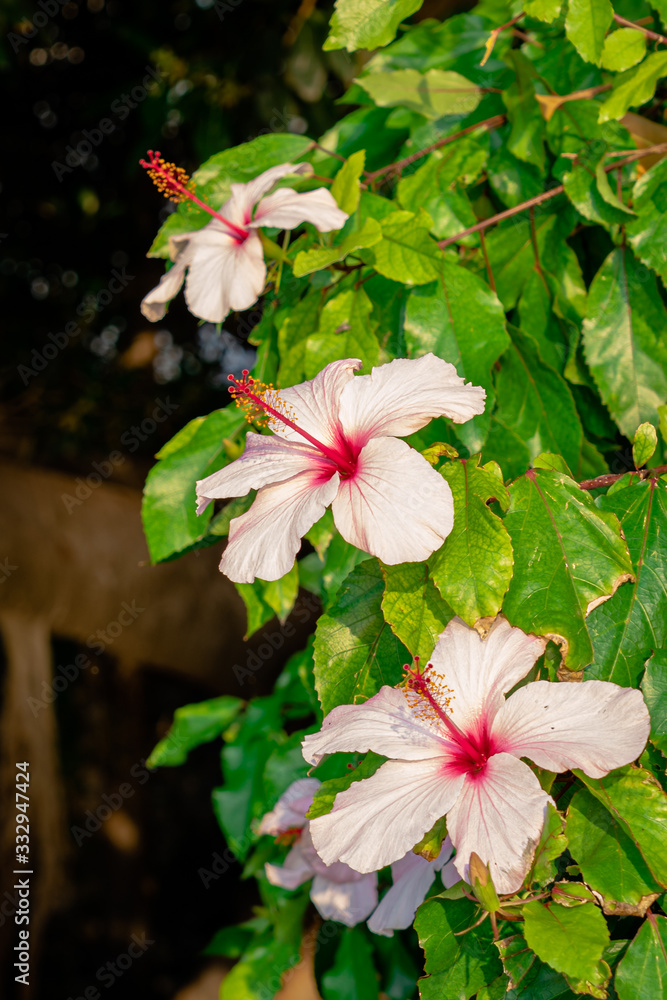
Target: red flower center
[[248, 394]]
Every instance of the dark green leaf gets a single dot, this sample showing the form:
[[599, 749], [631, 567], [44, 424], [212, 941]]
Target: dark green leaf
[[526, 138], [192, 726], [587, 186], [355, 650], [352, 976], [567, 555], [654, 688], [457, 967]]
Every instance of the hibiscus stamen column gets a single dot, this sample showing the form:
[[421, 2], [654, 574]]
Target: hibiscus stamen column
[[174, 183], [248, 390]]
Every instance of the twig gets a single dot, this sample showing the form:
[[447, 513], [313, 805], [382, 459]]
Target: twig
[[329, 152], [545, 196], [490, 123], [613, 477], [638, 27]]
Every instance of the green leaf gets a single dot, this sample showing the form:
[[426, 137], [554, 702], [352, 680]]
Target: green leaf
[[526, 138], [367, 24], [543, 10], [413, 607], [406, 252], [623, 48], [345, 187], [325, 795], [586, 25], [635, 87], [587, 187], [518, 960], [345, 330], [352, 976], [626, 628], [624, 349], [472, 570], [262, 965], [610, 862], [355, 650], [567, 555], [635, 799], [258, 611], [654, 689], [536, 402], [215, 176], [432, 94], [308, 261], [644, 444], [300, 321], [552, 843], [169, 506], [570, 939], [459, 318], [457, 967], [642, 972], [192, 726], [648, 232]]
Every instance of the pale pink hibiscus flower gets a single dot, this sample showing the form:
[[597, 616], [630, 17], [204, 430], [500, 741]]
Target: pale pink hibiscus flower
[[455, 744], [336, 443], [338, 892], [225, 260], [412, 877]]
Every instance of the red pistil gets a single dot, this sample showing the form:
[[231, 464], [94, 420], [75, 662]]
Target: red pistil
[[474, 756], [174, 183], [245, 388], [290, 835]]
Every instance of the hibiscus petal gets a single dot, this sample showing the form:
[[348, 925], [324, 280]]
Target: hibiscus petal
[[499, 815], [291, 808], [395, 506], [264, 541], [224, 273], [347, 902], [377, 820], [595, 726], [238, 208], [313, 405], [385, 724], [287, 209], [401, 397], [478, 672], [265, 460], [294, 872], [154, 305], [412, 876]]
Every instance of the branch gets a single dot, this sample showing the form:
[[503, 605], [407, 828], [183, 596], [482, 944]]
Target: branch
[[546, 195], [638, 27], [490, 123], [609, 478]]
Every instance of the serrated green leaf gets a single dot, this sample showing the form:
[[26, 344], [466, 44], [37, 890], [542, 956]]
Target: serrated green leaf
[[406, 252], [623, 347], [623, 48], [570, 939], [626, 628], [635, 87], [610, 862], [345, 331], [345, 188], [460, 319], [644, 444], [654, 689], [536, 402], [432, 94], [635, 799], [567, 554], [308, 261], [355, 650], [367, 24], [413, 607], [586, 25], [648, 232], [472, 570], [642, 972], [192, 726], [169, 505]]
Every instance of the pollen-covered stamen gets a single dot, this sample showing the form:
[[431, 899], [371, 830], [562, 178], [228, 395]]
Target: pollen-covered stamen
[[174, 183], [423, 683], [249, 395]]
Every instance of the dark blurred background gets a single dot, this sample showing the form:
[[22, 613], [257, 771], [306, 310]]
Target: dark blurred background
[[187, 77]]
